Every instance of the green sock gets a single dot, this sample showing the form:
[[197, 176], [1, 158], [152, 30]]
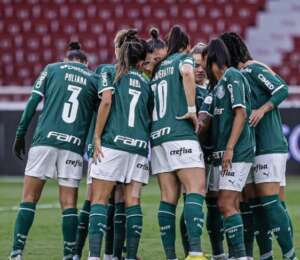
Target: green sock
[[109, 237], [183, 232], [23, 223], [289, 217], [247, 216], [97, 228], [261, 230], [69, 229], [215, 226], [279, 224], [167, 224], [234, 231], [194, 219], [83, 226], [119, 229], [134, 224]]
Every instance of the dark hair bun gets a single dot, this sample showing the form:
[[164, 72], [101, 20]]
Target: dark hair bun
[[74, 46], [131, 34], [154, 32]]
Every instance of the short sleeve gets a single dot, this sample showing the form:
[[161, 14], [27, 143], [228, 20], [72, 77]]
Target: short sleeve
[[186, 60], [267, 79], [236, 87], [39, 86], [106, 82], [207, 105]]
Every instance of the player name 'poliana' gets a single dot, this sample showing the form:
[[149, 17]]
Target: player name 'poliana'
[[75, 78]]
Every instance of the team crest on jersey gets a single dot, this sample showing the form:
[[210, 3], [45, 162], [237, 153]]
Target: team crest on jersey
[[220, 92]]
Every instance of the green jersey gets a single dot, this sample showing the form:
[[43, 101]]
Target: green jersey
[[265, 85], [70, 97], [231, 91], [128, 125], [170, 102], [201, 93]]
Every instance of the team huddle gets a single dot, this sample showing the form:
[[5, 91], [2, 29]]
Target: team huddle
[[204, 121]]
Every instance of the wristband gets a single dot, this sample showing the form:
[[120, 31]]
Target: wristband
[[192, 109]]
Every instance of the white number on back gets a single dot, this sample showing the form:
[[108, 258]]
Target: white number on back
[[162, 93], [135, 97], [71, 107]]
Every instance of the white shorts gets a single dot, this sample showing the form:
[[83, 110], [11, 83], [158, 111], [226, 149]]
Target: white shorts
[[121, 166], [46, 162], [270, 168], [88, 174], [234, 179], [175, 155]]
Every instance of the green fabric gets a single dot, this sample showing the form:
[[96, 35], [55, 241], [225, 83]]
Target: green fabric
[[215, 226], [290, 219], [119, 229], [109, 237], [23, 223], [194, 219], [70, 96], [234, 231], [28, 114], [69, 230], [134, 225], [128, 125], [97, 228], [247, 216], [167, 224], [232, 91], [170, 102], [83, 226], [183, 231], [261, 227], [265, 87], [279, 224]]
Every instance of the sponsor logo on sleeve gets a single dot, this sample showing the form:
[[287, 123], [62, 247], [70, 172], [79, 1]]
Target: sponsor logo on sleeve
[[266, 81], [41, 79]]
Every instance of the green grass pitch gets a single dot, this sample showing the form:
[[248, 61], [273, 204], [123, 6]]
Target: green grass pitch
[[45, 239]]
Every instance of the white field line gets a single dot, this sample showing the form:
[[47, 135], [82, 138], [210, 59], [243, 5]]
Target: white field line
[[39, 206]]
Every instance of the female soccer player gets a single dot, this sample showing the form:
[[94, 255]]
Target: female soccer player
[[156, 51], [268, 90], [233, 146], [69, 90], [115, 233], [121, 146], [176, 154]]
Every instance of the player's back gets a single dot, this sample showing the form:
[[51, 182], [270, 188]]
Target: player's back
[[70, 96], [128, 125]]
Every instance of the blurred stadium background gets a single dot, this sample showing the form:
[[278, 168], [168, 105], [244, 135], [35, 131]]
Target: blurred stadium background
[[34, 33]]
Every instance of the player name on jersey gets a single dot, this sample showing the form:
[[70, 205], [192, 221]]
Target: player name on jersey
[[75, 79]]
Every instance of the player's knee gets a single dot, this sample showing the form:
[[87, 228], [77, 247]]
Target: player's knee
[[169, 197], [226, 207], [129, 202], [31, 197], [68, 202]]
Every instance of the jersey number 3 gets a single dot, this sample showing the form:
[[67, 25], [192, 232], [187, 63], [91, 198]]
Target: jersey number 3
[[71, 107]]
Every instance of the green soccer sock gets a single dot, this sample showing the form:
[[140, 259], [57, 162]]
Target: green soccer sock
[[109, 237], [234, 231], [183, 232], [289, 217], [119, 229], [97, 228], [215, 226], [247, 216], [279, 224], [167, 224], [194, 219], [69, 229], [83, 226], [134, 224], [262, 232], [23, 223]]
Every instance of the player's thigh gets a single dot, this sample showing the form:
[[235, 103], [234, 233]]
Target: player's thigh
[[133, 193], [248, 192], [193, 180], [169, 187], [101, 191], [68, 197], [228, 202], [32, 189]]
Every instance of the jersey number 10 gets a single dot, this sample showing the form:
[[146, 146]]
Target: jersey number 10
[[160, 91], [71, 107]]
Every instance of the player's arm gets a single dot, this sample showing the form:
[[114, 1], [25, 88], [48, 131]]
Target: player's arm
[[188, 79], [278, 89], [27, 115], [237, 93]]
